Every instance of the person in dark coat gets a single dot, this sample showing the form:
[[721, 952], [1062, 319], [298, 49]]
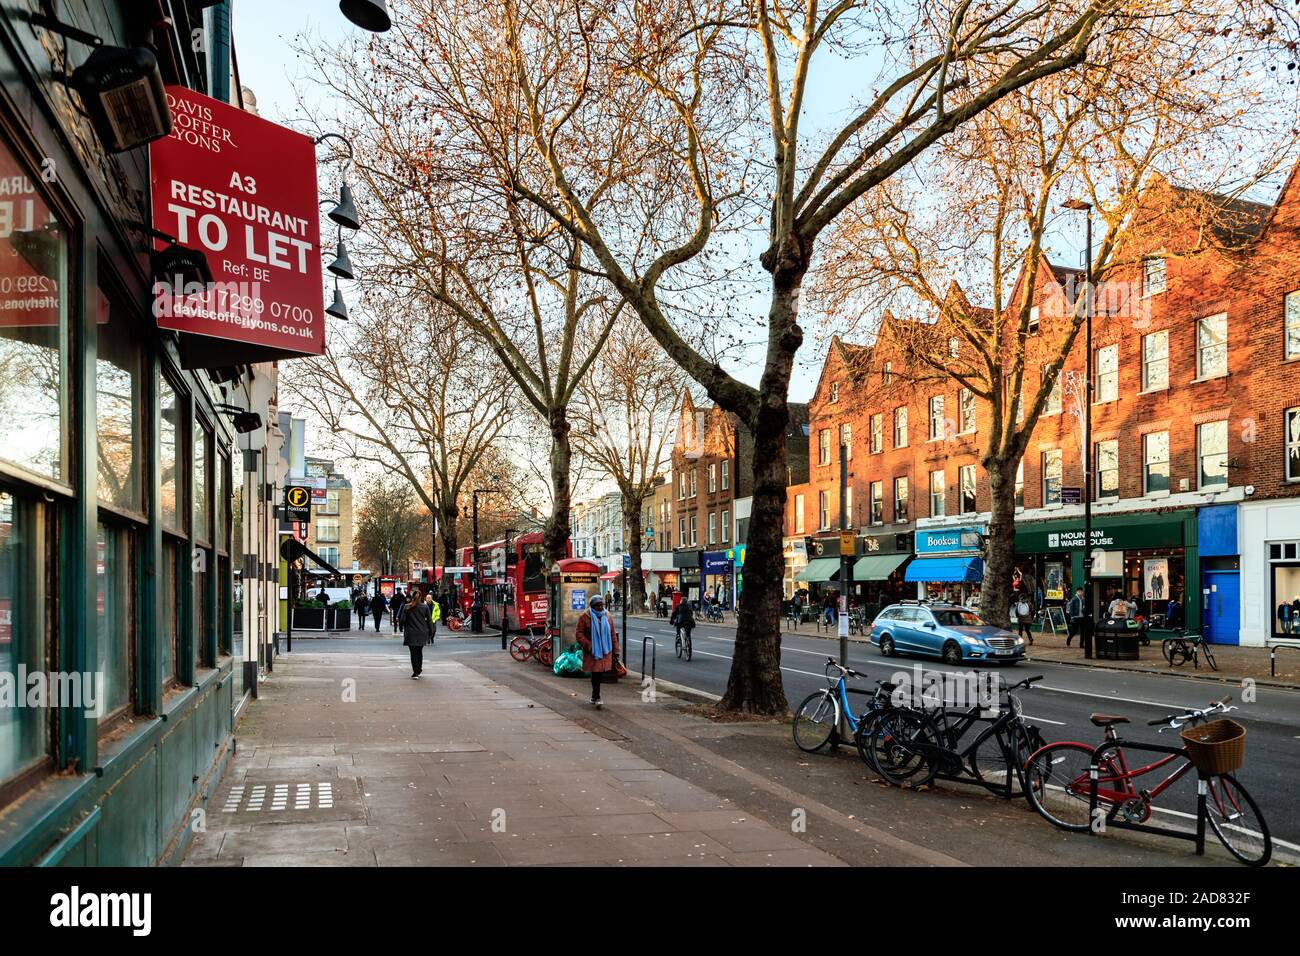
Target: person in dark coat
[[418, 630], [395, 608], [599, 644], [378, 605], [362, 607]]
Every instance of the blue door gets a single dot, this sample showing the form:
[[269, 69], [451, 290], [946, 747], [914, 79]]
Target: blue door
[[1221, 608]]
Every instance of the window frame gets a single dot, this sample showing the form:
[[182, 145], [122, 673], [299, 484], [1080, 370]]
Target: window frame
[[935, 418], [1056, 455], [940, 494], [1147, 463], [1202, 348], [876, 436], [1148, 361], [962, 473], [900, 426], [1099, 395], [1291, 442], [965, 407], [1291, 326], [877, 502], [1147, 262], [1201, 456], [905, 499], [1100, 492]]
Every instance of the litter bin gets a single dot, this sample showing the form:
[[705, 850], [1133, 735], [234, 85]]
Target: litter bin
[[1114, 640]]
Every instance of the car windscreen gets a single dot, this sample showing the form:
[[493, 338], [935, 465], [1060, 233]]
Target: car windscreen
[[949, 618]]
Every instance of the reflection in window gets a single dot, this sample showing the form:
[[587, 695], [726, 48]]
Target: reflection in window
[[33, 325], [1155, 468], [24, 731], [1212, 437], [169, 437], [169, 628], [1052, 477], [1108, 468], [115, 616], [117, 379], [202, 439]]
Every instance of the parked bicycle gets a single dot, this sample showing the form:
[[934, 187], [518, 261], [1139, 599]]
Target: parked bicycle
[[911, 745], [532, 646], [817, 719], [713, 613], [1186, 647], [1060, 781]]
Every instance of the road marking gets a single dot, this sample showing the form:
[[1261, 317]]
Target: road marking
[[1059, 723]]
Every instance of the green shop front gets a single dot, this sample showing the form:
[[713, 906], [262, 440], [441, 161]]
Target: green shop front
[[1149, 555]]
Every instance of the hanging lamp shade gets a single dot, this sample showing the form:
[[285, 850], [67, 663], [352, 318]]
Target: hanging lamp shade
[[342, 265], [345, 213], [369, 15], [338, 308]]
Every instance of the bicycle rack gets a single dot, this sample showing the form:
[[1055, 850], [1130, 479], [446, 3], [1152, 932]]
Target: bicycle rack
[[654, 654], [1272, 655], [1201, 816]]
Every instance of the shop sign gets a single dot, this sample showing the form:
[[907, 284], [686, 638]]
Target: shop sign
[[241, 190], [297, 503], [948, 540], [1111, 537], [715, 562], [887, 543]]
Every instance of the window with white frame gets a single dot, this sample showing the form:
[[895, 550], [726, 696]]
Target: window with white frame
[[1155, 462], [835, 391], [327, 529], [846, 440], [900, 499], [936, 417], [954, 346], [1212, 455], [938, 495], [900, 426], [1053, 404], [694, 475], [726, 526], [1033, 320], [1291, 325], [823, 511], [1212, 346], [713, 527], [693, 530], [877, 502], [798, 514], [887, 373], [726, 474], [1291, 424], [1107, 386], [967, 486], [877, 432], [1108, 468], [824, 446], [1052, 477], [713, 477], [1155, 361], [1153, 275], [1020, 484], [681, 531], [681, 487], [966, 410]]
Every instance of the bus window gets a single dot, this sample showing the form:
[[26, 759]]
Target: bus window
[[534, 578]]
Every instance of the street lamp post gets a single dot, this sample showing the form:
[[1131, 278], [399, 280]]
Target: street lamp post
[[476, 609], [505, 586], [1085, 632]]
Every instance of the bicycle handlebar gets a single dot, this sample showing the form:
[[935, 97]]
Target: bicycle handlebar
[[1027, 683], [1216, 707], [846, 671]]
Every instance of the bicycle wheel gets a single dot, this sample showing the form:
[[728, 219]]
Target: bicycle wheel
[[520, 648], [1236, 821], [897, 741], [988, 761], [1057, 785], [688, 645], [677, 645], [814, 722], [1176, 653], [1209, 656]]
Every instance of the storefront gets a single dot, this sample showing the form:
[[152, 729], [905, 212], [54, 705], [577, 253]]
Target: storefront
[[687, 565], [736, 556], [1270, 571], [796, 559], [949, 565], [821, 575], [878, 575], [1151, 557], [715, 570], [1216, 542]]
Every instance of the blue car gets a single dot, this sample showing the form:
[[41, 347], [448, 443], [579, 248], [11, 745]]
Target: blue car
[[948, 631]]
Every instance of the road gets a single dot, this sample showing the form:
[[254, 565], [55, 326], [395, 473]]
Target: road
[[1059, 705]]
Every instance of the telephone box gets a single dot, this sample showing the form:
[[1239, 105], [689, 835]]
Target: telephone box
[[573, 582]]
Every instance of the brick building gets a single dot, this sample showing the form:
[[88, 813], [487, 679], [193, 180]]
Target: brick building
[[1196, 435]]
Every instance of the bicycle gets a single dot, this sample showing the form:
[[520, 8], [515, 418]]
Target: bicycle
[[817, 720], [1186, 647], [1060, 780], [683, 646], [713, 613], [912, 745], [533, 646]]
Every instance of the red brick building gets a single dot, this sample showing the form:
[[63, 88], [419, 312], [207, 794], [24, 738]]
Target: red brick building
[[1195, 433]]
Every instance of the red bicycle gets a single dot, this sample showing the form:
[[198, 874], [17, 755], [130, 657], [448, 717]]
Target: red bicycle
[[1059, 785], [531, 646]]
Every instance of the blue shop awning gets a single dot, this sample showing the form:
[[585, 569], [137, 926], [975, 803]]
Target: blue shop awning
[[946, 570]]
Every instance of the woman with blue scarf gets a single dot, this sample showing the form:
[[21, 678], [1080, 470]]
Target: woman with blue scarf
[[599, 644]]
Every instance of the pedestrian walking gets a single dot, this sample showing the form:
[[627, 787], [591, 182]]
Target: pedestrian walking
[[417, 630], [378, 605], [828, 608], [435, 615], [362, 607], [1024, 616], [599, 643], [395, 608], [1074, 617]]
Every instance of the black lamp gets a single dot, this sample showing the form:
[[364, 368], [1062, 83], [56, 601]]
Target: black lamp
[[338, 308], [179, 265], [345, 213], [342, 265], [370, 15]]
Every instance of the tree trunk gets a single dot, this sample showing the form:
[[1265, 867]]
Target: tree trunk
[[635, 595], [754, 684], [1000, 546], [556, 535], [447, 531]]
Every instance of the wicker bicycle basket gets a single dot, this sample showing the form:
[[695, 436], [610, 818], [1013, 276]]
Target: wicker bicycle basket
[[1217, 747]]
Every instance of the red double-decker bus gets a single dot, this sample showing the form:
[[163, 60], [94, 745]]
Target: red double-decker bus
[[525, 573]]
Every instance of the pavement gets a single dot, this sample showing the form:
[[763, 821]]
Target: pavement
[[343, 760]]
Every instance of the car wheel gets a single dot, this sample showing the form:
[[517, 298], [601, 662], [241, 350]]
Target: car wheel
[[887, 646], [952, 653]]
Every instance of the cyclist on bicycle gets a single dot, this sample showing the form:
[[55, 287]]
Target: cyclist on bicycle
[[683, 619]]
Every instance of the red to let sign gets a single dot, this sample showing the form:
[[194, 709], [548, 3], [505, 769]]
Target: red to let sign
[[242, 191]]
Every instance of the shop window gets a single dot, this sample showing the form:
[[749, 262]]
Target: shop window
[[936, 417], [202, 473], [238, 585], [27, 586], [1155, 463], [900, 426], [877, 502], [1107, 385], [1155, 361], [117, 400], [169, 627], [33, 327], [1108, 469], [938, 495], [967, 483], [966, 410], [172, 474], [1292, 426], [877, 432], [1291, 331], [1156, 578], [1212, 346], [1052, 477], [115, 616], [900, 499], [1212, 453]]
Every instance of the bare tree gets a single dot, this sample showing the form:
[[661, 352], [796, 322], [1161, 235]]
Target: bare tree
[[624, 413], [391, 528], [1170, 96]]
